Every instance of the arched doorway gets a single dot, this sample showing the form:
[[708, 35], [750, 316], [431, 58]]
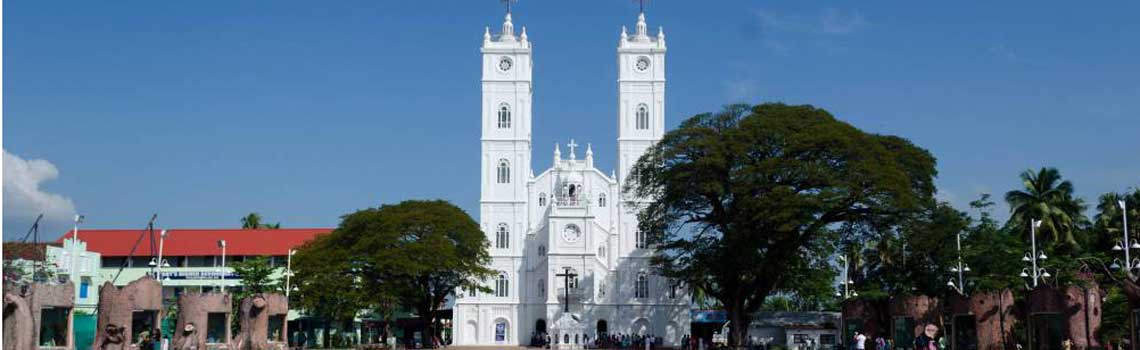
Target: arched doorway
[[640, 326], [540, 326], [603, 328]]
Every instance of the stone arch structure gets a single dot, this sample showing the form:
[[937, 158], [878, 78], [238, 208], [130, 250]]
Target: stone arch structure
[[194, 310], [471, 332], [118, 306], [640, 326]]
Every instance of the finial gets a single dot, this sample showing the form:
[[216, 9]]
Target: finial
[[642, 32], [487, 33], [660, 33], [523, 35], [557, 154], [624, 35], [508, 29], [589, 155]]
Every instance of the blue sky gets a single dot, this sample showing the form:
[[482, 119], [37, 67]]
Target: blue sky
[[303, 111]]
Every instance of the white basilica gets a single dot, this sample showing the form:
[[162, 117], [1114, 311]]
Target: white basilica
[[571, 219]]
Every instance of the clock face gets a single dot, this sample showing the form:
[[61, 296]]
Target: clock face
[[505, 64], [571, 233], [642, 64]]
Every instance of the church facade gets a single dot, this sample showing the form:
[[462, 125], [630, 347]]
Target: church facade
[[569, 258]]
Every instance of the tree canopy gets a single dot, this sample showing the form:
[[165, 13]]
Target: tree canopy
[[745, 202], [417, 252]]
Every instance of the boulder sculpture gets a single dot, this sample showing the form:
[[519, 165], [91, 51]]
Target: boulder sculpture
[[28, 308], [117, 308], [19, 328], [194, 310], [1066, 312], [254, 319]]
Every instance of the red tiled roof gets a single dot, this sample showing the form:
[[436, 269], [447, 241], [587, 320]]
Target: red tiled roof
[[197, 242]]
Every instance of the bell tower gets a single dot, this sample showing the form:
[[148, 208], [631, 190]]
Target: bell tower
[[641, 93], [506, 146]]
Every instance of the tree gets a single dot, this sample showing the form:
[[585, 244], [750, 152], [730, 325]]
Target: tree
[[744, 203], [327, 282], [253, 222], [1048, 198], [991, 252], [256, 275], [418, 252]]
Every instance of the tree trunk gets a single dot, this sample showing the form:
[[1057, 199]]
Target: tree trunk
[[325, 334], [738, 324]]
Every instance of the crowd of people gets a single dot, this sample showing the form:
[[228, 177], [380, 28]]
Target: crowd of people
[[928, 340], [603, 341]]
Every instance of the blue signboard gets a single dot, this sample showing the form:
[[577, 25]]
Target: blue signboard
[[709, 316], [197, 275]]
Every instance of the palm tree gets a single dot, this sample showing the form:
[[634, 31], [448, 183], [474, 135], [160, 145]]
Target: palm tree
[[1108, 221], [251, 221], [1048, 198]]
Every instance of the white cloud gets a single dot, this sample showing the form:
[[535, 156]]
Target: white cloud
[[830, 21], [24, 199]]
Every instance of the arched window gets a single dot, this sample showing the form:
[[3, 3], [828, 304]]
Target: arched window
[[503, 237], [602, 251], [541, 287], [504, 175], [471, 291], [504, 116], [601, 199], [642, 117], [542, 199], [642, 240], [502, 286], [673, 286], [642, 286], [541, 250]]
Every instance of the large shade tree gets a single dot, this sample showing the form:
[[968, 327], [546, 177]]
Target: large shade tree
[[745, 202], [415, 252]]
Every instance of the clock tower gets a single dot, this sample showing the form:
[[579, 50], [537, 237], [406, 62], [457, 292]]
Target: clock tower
[[506, 148]]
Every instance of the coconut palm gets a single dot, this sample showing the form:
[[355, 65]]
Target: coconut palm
[[1049, 198], [1109, 223], [251, 221]]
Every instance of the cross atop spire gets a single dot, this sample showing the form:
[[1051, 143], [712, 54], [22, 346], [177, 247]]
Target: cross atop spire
[[572, 146], [508, 4], [641, 5]]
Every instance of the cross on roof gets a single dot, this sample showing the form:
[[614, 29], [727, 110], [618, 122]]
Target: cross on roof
[[572, 146], [508, 4], [641, 3]]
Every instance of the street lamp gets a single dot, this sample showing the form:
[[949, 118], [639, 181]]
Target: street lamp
[[847, 292], [1123, 245], [1033, 257], [289, 272], [222, 271], [75, 246], [960, 269], [161, 243]]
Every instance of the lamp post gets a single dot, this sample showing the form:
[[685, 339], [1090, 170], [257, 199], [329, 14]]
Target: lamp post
[[162, 263], [222, 270], [289, 272], [961, 269], [1032, 257], [847, 292]]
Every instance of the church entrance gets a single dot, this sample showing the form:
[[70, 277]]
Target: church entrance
[[603, 328], [540, 326]]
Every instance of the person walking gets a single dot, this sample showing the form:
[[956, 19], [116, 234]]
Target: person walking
[[928, 340], [860, 341]]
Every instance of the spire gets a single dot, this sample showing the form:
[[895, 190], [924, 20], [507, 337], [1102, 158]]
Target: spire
[[589, 155], [486, 34], [624, 35], [557, 155], [660, 33], [522, 37], [508, 29], [642, 32]]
